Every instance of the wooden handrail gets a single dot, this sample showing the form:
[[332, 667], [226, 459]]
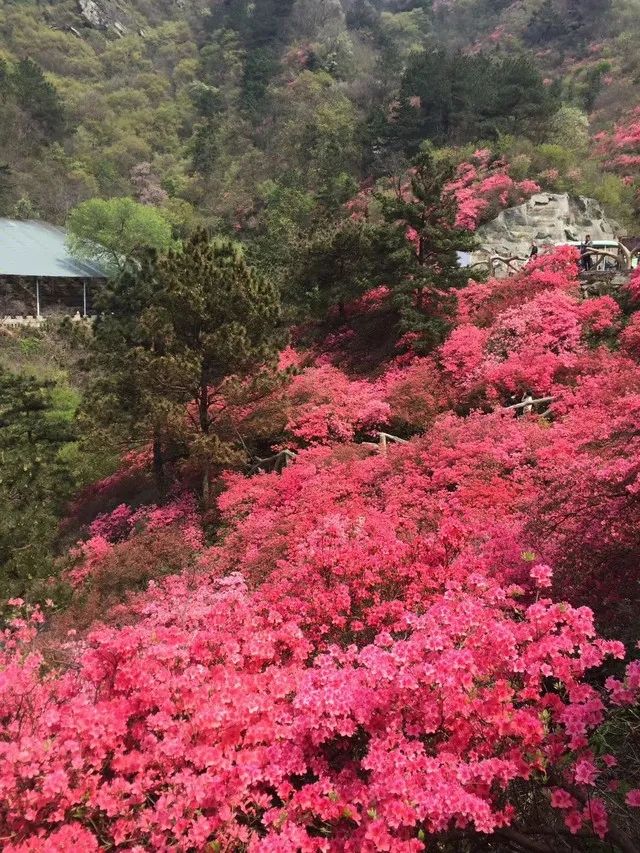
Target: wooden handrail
[[386, 437], [604, 253], [525, 403], [277, 463]]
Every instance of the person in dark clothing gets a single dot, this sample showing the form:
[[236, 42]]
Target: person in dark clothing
[[586, 260], [534, 251]]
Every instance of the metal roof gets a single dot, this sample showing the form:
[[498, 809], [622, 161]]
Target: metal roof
[[38, 250]]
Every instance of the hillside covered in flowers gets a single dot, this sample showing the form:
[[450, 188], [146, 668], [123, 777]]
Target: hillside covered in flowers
[[431, 646], [313, 539]]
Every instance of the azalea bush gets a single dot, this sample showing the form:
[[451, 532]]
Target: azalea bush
[[428, 648]]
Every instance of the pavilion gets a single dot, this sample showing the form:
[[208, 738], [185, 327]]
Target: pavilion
[[37, 273]]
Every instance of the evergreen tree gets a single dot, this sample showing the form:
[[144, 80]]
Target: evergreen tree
[[174, 337], [35, 481], [455, 98], [38, 97], [120, 409], [262, 28], [5, 80], [568, 22], [428, 213], [545, 25], [342, 262], [5, 183]]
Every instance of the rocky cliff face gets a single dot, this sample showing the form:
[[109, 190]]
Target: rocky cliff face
[[547, 218]]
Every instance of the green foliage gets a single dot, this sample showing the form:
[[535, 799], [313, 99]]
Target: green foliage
[[176, 331], [5, 183], [570, 129], [36, 480], [25, 85], [422, 294], [112, 232], [567, 22], [37, 97], [455, 98], [24, 209], [312, 95], [343, 262]]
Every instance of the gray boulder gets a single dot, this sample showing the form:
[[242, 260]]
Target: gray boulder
[[103, 15], [547, 218]]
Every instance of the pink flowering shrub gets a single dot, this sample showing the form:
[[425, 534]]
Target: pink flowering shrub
[[630, 337], [393, 650], [324, 406], [214, 707], [415, 394], [529, 332], [483, 187], [480, 303], [621, 148]]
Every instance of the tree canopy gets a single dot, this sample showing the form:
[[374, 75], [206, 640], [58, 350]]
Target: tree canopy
[[113, 231]]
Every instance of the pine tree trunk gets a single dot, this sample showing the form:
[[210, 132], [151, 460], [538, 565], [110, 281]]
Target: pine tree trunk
[[203, 405], [159, 472]]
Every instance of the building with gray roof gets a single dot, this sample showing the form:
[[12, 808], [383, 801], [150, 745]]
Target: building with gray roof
[[37, 273]]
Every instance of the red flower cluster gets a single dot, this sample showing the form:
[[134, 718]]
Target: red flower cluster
[[380, 649]]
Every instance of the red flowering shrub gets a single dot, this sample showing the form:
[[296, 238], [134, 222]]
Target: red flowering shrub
[[216, 707], [415, 394], [630, 337], [621, 148], [633, 287], [529, 332], [483, 187], [326, 406], [480, 303], [381, 651]]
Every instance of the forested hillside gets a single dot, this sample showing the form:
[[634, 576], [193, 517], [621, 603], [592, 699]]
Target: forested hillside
[[312, 539], [262, 118]]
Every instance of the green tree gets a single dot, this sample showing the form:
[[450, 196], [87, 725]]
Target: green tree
[[456, 98], [570, 129], [175, 338], [424, 289], [119, 409], [5, 183], [35, 480], [38, 97], [112, 232], [342, 262]]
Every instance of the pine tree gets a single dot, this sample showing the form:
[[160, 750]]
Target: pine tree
[[455, 98], [35, 480], [174, 337], [5, 182], [120, 409], [342, 262], [38, 97], [423, 294], [219, 321]]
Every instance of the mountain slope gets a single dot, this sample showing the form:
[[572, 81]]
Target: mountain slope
[[235, 107]]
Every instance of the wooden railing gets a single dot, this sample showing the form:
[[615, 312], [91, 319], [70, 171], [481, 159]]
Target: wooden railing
[[525, 403], [623, 260], [279, 461], [276, 463], [513, 264], [385, 438]]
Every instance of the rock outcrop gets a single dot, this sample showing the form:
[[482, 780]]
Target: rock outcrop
[[547, 218], [104, 15]]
